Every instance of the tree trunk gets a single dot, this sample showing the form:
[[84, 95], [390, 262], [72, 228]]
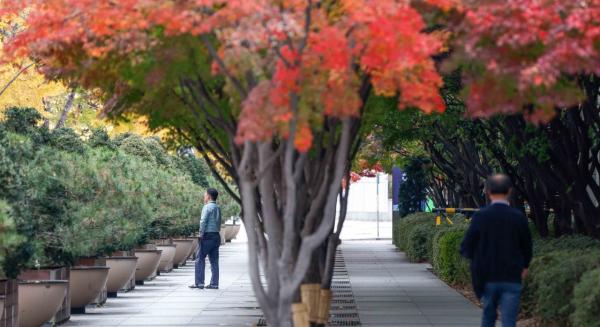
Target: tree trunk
[[65, 111]]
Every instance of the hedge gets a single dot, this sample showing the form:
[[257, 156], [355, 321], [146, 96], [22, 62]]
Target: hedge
[[563, 287], [447, 261], [586, 300], [568, 242], [419, 243], [554, 282], [404, 226]]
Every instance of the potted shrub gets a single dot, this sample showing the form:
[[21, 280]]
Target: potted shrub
[[36, 220]]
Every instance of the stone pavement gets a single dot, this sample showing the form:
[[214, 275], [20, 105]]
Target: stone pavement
[[388, 291], [391, 291], [167, 300]]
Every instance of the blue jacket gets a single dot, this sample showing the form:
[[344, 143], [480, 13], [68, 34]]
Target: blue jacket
[[210, 221]]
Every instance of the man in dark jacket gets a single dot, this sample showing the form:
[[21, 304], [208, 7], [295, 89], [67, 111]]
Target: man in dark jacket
[[498, 243]]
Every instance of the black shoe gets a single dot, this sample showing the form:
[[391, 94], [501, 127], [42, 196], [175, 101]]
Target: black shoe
[[196, 286], [211, 287]]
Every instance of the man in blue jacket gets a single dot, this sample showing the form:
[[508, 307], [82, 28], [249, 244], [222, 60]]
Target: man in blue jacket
[[498, 243], [209, 241]]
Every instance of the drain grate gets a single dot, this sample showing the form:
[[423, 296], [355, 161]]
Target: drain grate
[[343, 307]]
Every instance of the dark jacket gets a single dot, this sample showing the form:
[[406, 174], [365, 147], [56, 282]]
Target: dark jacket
[[498, 242]]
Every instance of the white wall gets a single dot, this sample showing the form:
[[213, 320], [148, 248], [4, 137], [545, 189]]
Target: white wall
[[363, 203]]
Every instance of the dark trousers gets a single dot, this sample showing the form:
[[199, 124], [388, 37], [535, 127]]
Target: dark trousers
[[505, 296], [209, 246]]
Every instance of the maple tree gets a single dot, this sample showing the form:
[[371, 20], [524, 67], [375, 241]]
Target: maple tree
[[526, 55], [272, 92]]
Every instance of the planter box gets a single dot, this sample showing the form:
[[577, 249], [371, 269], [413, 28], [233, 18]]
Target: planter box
[[122, 271], [230, 232], [149, 247], [131, 283], [63, 273], [182, 252], [147, 264], [164, 241], [95, 261], [40, 300], [86, 283], [195, 245], [9, 290], [166, 260]]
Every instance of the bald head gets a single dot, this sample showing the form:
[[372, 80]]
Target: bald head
[[498, 185]]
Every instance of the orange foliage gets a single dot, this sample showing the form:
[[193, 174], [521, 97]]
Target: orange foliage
[[309, 71]]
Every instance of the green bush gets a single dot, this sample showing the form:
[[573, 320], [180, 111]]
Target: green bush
[[66, 139], [407, 224], [446, 259], [9, 237], [419, 242], [100, 138], [569, 242], [586, 300], [553, 280], [414, 234], [21, 120], [69, 198]]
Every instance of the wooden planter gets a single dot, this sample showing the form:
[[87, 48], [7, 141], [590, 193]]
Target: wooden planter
[[182, 251], [86, 284], [9, 292], [166, 257], [51, 274], [147, 264], [122, 270], [40, 300]]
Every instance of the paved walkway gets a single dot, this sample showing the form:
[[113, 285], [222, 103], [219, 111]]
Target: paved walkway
[[391, 291], [167, 300], [388, 290]]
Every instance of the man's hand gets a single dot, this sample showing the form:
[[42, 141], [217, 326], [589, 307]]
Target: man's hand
[[524, 273]]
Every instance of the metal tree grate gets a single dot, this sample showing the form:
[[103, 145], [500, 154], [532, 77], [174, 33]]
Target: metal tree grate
[[343, 307]]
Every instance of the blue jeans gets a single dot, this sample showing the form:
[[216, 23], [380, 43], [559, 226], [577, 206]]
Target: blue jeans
[[507, 297], [209, 246]]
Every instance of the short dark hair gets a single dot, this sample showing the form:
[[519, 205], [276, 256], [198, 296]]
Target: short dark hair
[[214, 194], [498, 184]]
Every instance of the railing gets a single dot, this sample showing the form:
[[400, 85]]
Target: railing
[[468, 212], [444, 212]]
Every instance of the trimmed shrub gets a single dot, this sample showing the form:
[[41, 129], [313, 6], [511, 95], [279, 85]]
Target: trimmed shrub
[[570, 242], [419, 242], [446, 259], [586, 300], [408, 223], [553, 280]]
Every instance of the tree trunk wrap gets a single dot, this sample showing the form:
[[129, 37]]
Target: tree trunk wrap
[[324, 306], [300, 315], [310, 298]]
